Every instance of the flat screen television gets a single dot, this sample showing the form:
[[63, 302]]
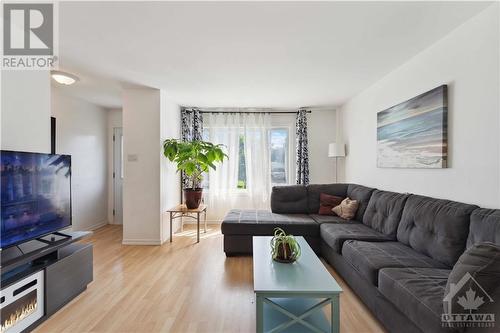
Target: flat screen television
[[35, 195]]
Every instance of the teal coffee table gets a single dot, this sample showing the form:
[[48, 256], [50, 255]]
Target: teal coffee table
[[291, 297]]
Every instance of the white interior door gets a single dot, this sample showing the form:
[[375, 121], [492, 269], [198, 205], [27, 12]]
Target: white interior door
[[118, 174]]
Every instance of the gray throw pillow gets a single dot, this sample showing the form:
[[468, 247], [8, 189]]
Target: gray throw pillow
[[473, 286]]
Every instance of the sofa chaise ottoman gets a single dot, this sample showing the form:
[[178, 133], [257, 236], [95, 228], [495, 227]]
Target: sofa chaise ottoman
[[294, 209]]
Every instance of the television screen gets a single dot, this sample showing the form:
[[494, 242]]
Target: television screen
[[35, 194]]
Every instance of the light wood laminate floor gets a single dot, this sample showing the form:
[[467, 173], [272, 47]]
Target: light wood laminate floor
[[177, 287]]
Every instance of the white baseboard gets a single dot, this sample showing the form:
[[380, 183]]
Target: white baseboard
[[141, 242], [114, 223], [191, 221], [97, 226]]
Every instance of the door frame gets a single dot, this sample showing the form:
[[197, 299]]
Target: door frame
[[117, 156]]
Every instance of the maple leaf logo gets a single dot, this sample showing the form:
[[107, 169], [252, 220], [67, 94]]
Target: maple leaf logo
[[470, 301]]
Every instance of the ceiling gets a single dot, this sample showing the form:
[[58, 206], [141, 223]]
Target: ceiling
[[246, 54]]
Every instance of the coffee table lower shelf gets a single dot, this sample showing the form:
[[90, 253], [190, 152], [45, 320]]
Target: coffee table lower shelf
[[279, 313]]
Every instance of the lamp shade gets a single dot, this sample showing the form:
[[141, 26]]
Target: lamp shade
[[336, 150]]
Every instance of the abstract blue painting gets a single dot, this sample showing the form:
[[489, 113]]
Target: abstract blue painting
[[413, 134]]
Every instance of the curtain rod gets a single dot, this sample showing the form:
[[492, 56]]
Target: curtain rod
[[270, 112], [242, 110]]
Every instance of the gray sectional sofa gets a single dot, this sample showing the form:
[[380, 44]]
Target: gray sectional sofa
[[396, 254]]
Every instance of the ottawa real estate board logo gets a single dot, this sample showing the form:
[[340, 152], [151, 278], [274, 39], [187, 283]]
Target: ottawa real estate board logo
[[467, 304], [29, 36]]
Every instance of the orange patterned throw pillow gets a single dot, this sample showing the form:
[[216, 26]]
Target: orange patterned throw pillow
[[347, 209]]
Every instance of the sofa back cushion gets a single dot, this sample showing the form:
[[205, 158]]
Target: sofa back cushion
[[437, 228], [484, 227], [289, 199], [477, 269], [384, 211], [362, 194], [314, 191]]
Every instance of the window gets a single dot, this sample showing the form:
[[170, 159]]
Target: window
[[242, 168], [280, 150], [279, 155]]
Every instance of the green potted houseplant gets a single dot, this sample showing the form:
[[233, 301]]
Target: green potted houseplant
[[193, 158], [284, 248]]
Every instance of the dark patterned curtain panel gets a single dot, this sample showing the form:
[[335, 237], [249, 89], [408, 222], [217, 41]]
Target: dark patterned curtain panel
[[185, 128], [191, 130], [197, 133], [191, 125], [302, 150]]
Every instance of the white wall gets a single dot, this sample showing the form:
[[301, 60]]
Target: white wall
[[169, 178], [468, 61], [141, 183], [322, 130], [114, 120], [148, 116], [25, 115], [82, 133]]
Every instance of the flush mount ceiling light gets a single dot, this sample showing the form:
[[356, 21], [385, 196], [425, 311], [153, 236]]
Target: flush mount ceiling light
[[64, 78]]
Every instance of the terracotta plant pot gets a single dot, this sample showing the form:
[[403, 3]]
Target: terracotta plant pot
[[281, 254], [193, 197], [284, 248]]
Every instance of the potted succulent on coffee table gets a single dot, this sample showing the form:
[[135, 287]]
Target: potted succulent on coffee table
[[284, 248], [193, 158]]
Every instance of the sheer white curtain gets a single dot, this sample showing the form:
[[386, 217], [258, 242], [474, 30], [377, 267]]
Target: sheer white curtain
[[223, 193], [257, 155], [223, 128]]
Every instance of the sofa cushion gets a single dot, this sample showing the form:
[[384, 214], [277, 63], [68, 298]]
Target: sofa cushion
[[384, 211], [434, 227], [362, 194], [484, 227], [262, 223], [330, 219], [335, 234], [368, 258], [418, 293], [477, 269], [289, 199], [314, 192]]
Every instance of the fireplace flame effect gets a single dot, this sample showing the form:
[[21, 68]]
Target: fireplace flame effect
[[19, 315]]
